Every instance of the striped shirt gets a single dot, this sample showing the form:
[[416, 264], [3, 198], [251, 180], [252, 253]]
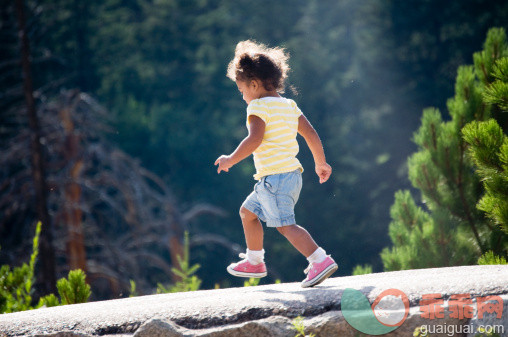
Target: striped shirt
[[278, 150]]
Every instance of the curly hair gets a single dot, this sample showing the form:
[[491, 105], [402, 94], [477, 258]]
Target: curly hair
[[257, 61]]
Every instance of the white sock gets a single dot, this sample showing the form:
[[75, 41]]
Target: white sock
[[255, 256], [318, 256]]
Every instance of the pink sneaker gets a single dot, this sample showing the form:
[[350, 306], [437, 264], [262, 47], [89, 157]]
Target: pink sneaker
[[318, 272], [245, 269]]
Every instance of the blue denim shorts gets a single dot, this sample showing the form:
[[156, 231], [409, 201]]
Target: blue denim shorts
[[274, 198]]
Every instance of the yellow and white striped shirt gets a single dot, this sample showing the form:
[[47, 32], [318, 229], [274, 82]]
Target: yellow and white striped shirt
[[278, 150]]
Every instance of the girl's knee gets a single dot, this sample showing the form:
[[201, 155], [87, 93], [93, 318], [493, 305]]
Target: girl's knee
[[285, 230], [245, 214]]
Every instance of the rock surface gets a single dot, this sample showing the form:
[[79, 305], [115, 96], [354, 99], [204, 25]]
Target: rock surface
[[267, 310]]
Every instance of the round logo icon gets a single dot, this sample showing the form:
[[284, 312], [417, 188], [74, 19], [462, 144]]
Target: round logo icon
[[388, 311]]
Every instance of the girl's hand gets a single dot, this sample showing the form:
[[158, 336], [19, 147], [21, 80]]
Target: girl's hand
[[224, 163], [323, 171]]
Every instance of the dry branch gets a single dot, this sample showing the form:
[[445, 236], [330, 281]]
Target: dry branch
[[123, 216]]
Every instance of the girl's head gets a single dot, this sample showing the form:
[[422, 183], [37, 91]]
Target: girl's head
[[255, 61]]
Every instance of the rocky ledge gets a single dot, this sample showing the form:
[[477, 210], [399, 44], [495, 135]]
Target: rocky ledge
[[443, 301]]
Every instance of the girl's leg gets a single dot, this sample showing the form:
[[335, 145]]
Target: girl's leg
[[252, 229], [299, 238], [321, 266], [253, 265]]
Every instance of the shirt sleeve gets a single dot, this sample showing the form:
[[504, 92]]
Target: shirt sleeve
[[297, 109], [257, 109]]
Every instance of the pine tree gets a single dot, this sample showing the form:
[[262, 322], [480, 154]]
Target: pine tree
[[74, 289], [489, 150], [451, 230]]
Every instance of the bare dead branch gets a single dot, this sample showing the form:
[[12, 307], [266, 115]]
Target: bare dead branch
[[128, 214], [202, 209], [201, 239]]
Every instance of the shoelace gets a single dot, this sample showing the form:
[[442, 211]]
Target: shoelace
[[242, 255], [306, 271]]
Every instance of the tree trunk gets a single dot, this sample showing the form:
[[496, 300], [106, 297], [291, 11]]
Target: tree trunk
[[176, 248], [73, 215], [47, 252]]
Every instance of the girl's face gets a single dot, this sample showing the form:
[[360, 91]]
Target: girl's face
[[249, 90]]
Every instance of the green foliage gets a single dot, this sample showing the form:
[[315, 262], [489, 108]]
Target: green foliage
[[16, 284], [497, 92], [421, 240], [191, 283], [490, 258], [133, 292], [452, 231], [495, 48], [188, 281], [362, 270], [489, 151], [49, 301], [418, 332], [251, 282], [488, 148], [74, 289], [299, 327]]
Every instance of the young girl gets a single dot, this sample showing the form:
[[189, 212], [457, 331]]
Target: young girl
[[273, 123]]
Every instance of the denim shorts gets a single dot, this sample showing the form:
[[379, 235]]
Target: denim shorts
[[274, 198]]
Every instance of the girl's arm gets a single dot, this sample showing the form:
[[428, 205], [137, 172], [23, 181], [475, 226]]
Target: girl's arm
[[323, 170], [246, 147]]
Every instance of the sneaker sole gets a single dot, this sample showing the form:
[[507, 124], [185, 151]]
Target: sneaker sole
[[242, 274], [322, 276]]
